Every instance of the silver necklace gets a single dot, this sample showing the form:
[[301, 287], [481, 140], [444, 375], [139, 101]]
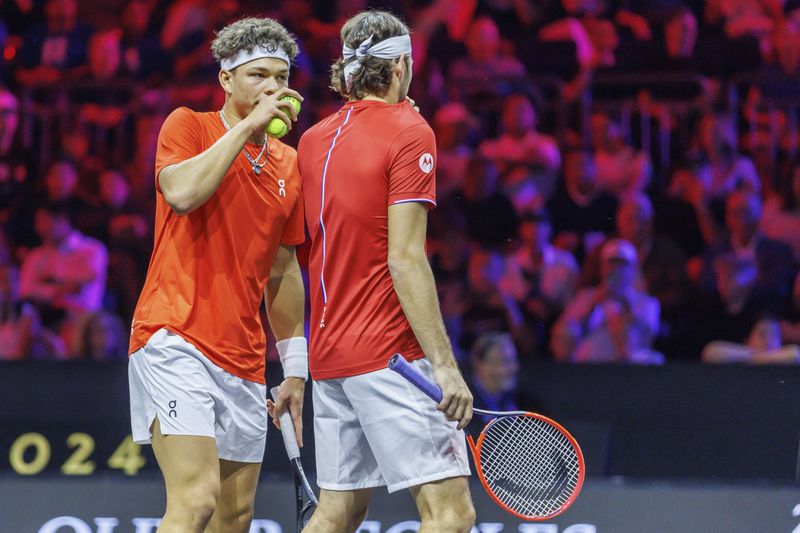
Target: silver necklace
[[253, 161]]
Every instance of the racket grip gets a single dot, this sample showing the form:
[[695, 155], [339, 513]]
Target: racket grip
[[287, 429], [399, 364]]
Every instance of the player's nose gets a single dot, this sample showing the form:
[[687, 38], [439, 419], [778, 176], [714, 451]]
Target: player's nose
[[270, 86]]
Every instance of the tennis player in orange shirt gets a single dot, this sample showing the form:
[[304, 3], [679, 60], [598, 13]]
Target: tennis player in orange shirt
[[228, 218], [368, 182]]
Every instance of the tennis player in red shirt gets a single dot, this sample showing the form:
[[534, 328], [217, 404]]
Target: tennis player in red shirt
[[368, 182], [228, 217]]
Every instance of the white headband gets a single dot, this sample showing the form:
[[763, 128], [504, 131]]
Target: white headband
[[259, 52], [390, 48]]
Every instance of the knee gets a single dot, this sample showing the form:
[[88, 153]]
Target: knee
[[196, 502], [235, 519], [456, 519], [459, 520]]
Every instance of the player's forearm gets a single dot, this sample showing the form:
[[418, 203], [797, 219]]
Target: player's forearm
[[189, 184], [285, 298], [416, 290]]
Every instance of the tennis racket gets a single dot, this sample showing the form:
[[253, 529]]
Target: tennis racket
[[306, 499], [530, 465]]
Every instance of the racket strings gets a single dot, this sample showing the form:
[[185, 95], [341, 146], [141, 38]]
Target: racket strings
[[529, 465]]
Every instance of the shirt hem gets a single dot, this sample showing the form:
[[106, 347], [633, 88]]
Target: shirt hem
[[322, 375], [248, 376]]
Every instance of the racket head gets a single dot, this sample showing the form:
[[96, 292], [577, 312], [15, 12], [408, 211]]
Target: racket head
[[512, 451]]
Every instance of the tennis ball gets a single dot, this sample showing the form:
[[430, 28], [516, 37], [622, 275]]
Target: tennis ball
[[276, 127]]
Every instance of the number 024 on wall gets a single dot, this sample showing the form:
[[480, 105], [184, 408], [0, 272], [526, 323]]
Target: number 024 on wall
[[31, 453]]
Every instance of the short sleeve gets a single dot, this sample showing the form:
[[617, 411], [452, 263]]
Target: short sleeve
[[412, 166], [178, 140], [294, 232]]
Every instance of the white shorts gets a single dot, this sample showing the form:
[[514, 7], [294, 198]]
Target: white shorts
[[170, 379], [377, 429]]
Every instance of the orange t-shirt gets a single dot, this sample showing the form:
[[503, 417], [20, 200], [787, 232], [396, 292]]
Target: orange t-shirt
[[355, 164], [208, 270]]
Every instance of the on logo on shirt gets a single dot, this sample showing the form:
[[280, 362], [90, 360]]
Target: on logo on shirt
[[426, 162]]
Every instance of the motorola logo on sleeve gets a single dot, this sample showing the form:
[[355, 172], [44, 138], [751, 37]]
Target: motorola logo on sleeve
[[426, 162]]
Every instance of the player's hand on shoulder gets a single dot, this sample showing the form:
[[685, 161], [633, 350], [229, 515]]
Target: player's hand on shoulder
[[290, 396], [456, 401], [272, 106]]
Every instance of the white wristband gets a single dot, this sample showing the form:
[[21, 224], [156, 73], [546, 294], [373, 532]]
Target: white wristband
[[294, 357]]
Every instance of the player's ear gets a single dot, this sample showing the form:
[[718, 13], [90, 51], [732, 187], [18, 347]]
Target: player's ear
[[399, 65], [226, 80]]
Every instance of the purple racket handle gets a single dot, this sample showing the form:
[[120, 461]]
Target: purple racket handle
[[399, 364]]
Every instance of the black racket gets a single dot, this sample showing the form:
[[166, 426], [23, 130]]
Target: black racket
[[306, 499]]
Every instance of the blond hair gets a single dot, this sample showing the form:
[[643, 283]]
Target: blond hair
[[248, 33]]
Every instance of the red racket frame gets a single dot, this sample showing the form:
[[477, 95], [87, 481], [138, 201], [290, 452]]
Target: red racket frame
[[476, 454]]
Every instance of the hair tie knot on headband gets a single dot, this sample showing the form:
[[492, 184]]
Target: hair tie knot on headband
[[390, 48]]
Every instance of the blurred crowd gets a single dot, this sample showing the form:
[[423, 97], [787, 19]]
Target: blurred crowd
[[618, 180]]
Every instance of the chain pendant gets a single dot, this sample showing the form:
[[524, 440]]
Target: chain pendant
[[256, 169]]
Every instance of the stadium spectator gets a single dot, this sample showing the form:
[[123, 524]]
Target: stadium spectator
[[684, 213], [15, 161], [449, 266], [663, 264], [452, 124], [522, 145], [780, 219], [539, 276], [582, 213], [61, 185], [730, 311], [490, 216], [56, 51], [21, 333], [722, 169], [613, 322], [680, 40], [621, 169], [772, 260], [741, 17], [143, 59], [764, 346], [117, 222], [494, 377], [486, 69], [100, 336], [486, 306], [65, 277]]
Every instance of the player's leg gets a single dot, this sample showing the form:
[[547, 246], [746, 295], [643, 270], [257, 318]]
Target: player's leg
[[339, 511], [415, 446], [173, 399], [346, 468], [234, 510], [191, 473], [241, 424], [445, 506]]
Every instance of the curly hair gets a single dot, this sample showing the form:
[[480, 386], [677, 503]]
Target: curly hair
[[375, 74], [247, 33]]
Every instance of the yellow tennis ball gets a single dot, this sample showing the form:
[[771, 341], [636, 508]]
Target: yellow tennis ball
[[276, 127]]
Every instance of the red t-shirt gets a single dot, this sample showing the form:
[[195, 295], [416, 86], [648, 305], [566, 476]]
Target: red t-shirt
[[355, 164], [208, 270]]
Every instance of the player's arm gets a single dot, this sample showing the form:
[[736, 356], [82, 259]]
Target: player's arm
[[285, 300], [189, 184], [416, 290]]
